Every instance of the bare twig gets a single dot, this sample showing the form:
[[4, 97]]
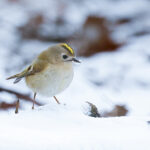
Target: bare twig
[[5, 106], [19, 95], [17, 106]]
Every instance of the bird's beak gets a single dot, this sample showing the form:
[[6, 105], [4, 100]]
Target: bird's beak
[[76, 60]]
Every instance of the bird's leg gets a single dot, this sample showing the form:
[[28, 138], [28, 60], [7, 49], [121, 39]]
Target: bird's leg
[[56, 100], [17, 106], [34, 100]]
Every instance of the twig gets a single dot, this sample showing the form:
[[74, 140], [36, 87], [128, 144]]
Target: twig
[[19, 95], [17, 106], [4, 105]]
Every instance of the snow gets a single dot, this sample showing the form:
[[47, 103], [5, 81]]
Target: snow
[[60, 127]]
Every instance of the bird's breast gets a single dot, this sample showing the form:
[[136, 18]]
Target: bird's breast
[[51, 81]]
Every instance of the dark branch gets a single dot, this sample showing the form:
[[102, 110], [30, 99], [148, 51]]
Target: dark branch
[[19, 95]]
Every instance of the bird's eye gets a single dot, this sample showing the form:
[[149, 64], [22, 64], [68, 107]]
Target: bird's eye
[[65, 56]]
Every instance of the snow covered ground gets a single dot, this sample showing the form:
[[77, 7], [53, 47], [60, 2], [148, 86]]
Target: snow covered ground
[[59, 127]]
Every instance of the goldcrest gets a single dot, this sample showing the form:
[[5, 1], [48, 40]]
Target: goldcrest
[[51, 72]]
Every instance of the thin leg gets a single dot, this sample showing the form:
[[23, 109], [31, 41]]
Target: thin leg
[[33, 100], [56, 100], [17, 106]]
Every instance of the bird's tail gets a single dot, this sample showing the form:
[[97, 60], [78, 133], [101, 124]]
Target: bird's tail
[[17, 77]]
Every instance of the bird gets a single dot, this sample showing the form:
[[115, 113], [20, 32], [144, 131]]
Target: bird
[[50, 73]]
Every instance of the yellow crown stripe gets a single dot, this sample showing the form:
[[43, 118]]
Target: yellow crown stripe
[[68, 48]]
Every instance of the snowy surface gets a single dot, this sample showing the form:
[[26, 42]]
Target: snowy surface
[[60, 127]]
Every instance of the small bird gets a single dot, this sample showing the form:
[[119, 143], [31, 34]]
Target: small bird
[[51, 72]]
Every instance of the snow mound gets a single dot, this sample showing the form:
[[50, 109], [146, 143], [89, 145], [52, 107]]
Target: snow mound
[[59, 127]]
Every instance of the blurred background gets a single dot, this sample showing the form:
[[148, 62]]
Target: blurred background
[[111, 37]]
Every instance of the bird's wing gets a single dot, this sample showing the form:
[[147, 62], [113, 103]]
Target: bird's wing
[[36, 67], [28, 71]]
